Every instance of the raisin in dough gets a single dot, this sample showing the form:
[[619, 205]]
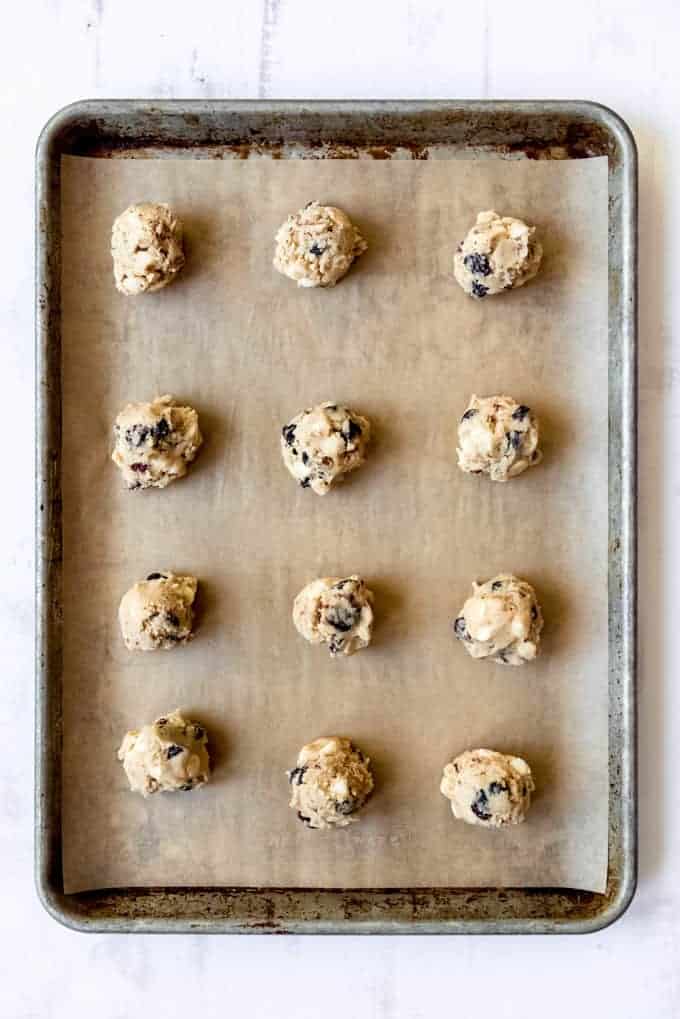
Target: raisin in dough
[[335, 612], [317, 245], [330, 783], [322, 444], [158, 612], [499, 253], [146, 245], [497, 436], [488, 788], [170, 754], [154, 442], [501, 621]]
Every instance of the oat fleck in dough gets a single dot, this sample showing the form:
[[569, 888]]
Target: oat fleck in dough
[[330, 783], [322, 444], [158, 612], [488, 788], [155, 442], [501, 621], [146, 244], [169, 755], [497, 436], [335, 612], [499, 253], [317, 245]]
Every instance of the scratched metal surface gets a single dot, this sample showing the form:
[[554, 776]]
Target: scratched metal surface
[[209, 129]]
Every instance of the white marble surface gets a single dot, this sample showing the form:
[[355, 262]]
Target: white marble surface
[[620, 52]]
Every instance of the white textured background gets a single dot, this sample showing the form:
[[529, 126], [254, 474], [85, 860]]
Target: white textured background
[[621, 53]]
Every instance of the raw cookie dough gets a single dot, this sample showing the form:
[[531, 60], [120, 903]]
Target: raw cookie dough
[[168, 755], [146, 244], [488, 788], [501, 621], [155, 441], [317, 245], [331, 782], [322, 444], [335, 612], [158, 612], [497, 436], [499, 253]]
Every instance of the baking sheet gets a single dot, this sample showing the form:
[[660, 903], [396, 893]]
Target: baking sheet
[[398, 340]]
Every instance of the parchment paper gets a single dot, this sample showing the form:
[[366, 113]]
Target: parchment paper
[[398, 340]]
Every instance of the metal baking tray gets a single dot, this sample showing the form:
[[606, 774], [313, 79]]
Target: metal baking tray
[[352, 129]]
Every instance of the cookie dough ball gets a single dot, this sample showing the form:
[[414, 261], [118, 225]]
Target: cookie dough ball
[[146, 244], [501, 621], [499, 253], [330, 783], [168, 755], [317, 245], [488, 788], [497, 436], [335, 612], [154, 442], [158, 612], [322, 444]]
